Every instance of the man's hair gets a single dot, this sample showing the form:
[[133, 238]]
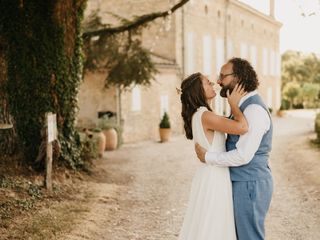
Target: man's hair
[[247, 76]]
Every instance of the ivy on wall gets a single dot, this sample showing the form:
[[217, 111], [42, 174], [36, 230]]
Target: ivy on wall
[[44, 62], [44, 66]]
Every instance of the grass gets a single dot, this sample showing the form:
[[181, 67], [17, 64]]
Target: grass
[[49, 223], [28, 211], [315, 143]]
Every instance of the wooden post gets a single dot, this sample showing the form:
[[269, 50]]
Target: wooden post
[[49, 167], [51, 136]]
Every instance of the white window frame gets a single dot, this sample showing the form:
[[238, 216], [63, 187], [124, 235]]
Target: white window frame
[[270, 96], [265, 61], [218, 105], [272, 60], [244, 50], [207, 55], [219, 54], [229, 49], [136, 99], [164, 104], [278, 64], [190, 53], [253, 56]]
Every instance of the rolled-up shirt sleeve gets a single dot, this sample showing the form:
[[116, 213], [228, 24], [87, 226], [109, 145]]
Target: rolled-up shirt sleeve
[[259, 123]]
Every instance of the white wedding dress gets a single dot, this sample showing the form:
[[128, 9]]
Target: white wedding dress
[[209, 214]]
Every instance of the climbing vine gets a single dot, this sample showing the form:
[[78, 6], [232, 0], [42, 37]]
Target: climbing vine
[[43, 57], [44, 70]]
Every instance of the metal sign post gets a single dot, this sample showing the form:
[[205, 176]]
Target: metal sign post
[[52, 135]]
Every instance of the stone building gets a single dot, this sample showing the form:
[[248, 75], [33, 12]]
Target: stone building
[[201, 36]]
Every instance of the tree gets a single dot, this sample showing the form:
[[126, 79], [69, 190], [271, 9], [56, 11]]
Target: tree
[[290, 92], [292, 68], [43, 67], [119, 51], [309, 94], [137, 22], [8, 141], [122, 57], [300, 73]]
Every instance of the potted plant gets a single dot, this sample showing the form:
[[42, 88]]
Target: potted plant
[[101, 140], [281, 112], [89, 150], [109, 126], [164, 128], [317, 127]]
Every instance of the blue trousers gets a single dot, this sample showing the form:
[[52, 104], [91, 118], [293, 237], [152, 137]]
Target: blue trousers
[[251, 201]]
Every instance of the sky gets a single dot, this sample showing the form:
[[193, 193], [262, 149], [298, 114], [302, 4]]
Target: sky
[[298, 32]]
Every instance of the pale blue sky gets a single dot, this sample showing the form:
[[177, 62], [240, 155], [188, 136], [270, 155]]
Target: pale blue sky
[[298, 32]]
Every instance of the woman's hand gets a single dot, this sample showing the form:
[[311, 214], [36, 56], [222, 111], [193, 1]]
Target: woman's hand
[[237, 93]]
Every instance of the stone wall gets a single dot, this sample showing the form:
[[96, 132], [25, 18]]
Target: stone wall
[[235, 30]]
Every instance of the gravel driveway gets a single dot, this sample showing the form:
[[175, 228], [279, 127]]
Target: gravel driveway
[[142, 189]]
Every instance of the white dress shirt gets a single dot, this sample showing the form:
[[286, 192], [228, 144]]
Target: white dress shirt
[[259, 123]]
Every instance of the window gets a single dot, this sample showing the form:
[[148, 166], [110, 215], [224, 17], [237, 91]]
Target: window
[[220, 54], [164, 104], [265, 61], [253, 56], [278, 64], [244, 50], [207, 55], [278, 96], [229, 49], [269, 99], [136, 99], [218, 105], [190, 53], [272, 63]]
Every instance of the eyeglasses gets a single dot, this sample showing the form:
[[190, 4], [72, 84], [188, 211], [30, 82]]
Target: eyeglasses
[[222, 76]]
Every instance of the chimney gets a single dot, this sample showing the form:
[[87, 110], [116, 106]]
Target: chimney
[[272, 8]]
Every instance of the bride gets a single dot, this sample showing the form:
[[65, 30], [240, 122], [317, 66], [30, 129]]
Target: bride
[[209, 214]]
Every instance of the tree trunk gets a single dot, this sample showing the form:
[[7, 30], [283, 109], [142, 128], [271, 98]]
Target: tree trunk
[[8, 136], [44, 70]]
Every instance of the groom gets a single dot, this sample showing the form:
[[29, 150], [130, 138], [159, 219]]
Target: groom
[[247, 155]]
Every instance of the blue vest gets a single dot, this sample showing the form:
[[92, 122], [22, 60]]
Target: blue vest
[[257, 168]]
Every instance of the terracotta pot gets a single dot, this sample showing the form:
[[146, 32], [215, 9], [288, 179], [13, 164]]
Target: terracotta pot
[[164, 134], [111, 139], [280, 113], [101, 142]]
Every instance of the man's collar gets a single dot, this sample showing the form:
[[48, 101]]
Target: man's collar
[[249, 94]]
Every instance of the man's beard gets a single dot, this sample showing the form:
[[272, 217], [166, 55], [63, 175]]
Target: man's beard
[[224, 89]]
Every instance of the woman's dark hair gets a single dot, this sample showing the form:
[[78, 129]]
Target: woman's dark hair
[[192, 97], [246, 74]]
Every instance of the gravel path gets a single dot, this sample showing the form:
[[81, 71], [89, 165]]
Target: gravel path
[[141, 190]]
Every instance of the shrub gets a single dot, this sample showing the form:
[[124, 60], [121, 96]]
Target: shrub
[[106, 122], [317, 126], [165, 123]]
